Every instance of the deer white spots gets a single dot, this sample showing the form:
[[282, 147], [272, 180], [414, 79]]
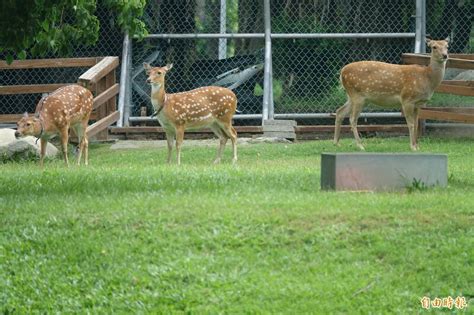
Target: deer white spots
[[195, 109], [408, 86], [55, 114]]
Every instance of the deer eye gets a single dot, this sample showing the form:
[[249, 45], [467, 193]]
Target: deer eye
[[434, 47], [28, 124]]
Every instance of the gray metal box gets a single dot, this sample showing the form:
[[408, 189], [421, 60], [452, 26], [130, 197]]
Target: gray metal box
[[382, 171]]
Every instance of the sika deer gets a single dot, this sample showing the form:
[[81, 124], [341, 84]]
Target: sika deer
[[388, 85], [68, 106], [209, 106]]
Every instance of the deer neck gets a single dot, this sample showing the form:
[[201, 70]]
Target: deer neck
[[158, 95], [39, 127], [436, 70]]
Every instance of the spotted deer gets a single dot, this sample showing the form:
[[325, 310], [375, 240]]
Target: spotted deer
[[209, 106], [67, 107], [389, 85]]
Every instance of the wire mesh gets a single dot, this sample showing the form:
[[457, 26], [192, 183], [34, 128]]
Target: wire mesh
[[195, 64], [349, 16], [305, 71]]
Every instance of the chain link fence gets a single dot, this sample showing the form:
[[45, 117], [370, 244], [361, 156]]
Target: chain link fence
[[305, 69]]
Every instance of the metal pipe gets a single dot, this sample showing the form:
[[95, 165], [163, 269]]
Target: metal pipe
[[208, 36], [423, 25], [123, 79], [290, 116], [222, 49], [282, 35], [128, 89], [271, 107], [332, 115], [418, 27], [268, 61], [342, 35]]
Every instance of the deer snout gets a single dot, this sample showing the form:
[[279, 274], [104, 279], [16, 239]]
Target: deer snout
[[445, 56], [17, 134], [148, 80]]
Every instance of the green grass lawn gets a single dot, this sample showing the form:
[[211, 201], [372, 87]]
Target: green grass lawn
[[131, 234]]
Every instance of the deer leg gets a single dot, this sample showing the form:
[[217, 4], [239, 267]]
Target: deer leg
[[85, 138], [43, 144], [417, 126], [222, 141], [64, 140], [86, 149], [80, 137], [356, 109], [409, 111], [341, 113], [170, 142], [179, 141], [233, 138]]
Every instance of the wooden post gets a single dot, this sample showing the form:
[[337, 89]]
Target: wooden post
[[101, 86], [112, 103]]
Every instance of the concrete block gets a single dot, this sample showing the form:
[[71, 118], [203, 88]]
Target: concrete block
[[273, 122], [279, 129], [382, 171], [283, 128]]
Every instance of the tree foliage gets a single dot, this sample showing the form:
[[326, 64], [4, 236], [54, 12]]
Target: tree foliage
[[39, 27]]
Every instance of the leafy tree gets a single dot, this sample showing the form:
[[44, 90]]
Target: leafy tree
[[38, 27]]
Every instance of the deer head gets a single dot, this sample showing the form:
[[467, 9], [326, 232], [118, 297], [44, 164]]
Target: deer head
[[28, 126], [156, 76], [439, 49]]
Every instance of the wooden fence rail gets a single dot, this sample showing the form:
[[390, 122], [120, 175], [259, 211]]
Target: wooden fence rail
[[100, 79]]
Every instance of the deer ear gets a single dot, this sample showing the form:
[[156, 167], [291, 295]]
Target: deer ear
[[169, 66], [25, 114], [447, 39], [146, 66], [428, 41]]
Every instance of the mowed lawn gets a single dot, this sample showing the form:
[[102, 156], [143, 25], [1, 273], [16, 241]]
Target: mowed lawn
[[131, 234]]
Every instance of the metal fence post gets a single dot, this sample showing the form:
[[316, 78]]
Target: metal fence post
[[423, 25], [267, 83], [128, 91], [222, 53], [124, 75], [420, 28]]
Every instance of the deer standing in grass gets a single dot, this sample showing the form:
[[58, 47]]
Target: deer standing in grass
[[68, 106], [389, 85], [209, 106]]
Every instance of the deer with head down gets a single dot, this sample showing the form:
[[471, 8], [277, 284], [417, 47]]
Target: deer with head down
[[67, 107], [389, 85], [209, 106]]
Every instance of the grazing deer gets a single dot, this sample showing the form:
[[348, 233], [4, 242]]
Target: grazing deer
[[389, 85], [68, 106], [209, 106]]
